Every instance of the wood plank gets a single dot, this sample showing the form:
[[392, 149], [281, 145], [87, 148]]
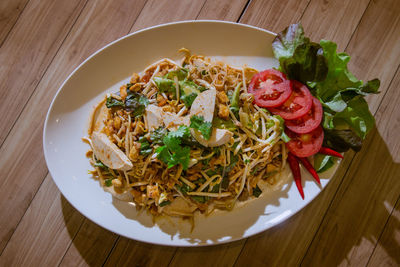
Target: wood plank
[[286, 243], [28, 51], [41, 238], [386, 253], [90, 247], [159, 12], [333, 20], [375, 48], [274, 15], [22, 165], [221, 255], [287, 240], [9, 12], [150, 10], [129, 252], [222, 10], [369, 188]]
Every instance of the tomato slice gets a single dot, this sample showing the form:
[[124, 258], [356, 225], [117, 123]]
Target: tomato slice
[[270, 88], [298, 104], [305, 145], [308, 122]]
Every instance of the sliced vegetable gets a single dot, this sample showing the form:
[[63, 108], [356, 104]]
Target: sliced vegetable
[[234, 106], [294, 166], [165, 85], [330, 152], [298, 104], [305, 145], [309, 121], [223, 124], [310, 169], [189, 91], [181, 74], [270, 88]]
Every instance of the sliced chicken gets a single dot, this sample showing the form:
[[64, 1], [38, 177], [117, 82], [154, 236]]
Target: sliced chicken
[[172, 120], [108, 153], [204, 105], [218, 137], [153, 117]]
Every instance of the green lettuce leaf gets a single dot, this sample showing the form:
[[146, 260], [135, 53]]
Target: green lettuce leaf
[[299, 58], [347, 119]]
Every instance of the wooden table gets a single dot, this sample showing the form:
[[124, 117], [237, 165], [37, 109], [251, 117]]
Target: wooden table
[[354, 221]]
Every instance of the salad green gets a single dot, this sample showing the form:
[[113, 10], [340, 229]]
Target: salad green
[[347, 119]]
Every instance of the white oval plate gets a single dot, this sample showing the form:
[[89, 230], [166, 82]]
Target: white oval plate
[[105, 71]]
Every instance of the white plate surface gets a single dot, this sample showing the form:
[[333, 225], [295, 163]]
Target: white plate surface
[[105, 71]]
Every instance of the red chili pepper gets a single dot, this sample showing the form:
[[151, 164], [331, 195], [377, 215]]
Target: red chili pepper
[[294, 166], [330, 152], [310, 169]]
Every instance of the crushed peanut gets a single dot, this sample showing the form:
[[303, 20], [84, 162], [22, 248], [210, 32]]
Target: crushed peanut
[[223, 111]]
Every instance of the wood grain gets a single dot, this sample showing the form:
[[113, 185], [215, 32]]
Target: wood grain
[[222, 10], [376, 179], [28, 51], [374, 46], [333, 20], [274, 15], [386, 252], [41, 238], [9, 14], [90, 246], [159, 12], [129, 252], [222, 255], [355, 221], [308, 220], [22, 173]]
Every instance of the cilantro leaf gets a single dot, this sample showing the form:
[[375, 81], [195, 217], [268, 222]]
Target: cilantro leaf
[[198, 123], [173, 153]]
